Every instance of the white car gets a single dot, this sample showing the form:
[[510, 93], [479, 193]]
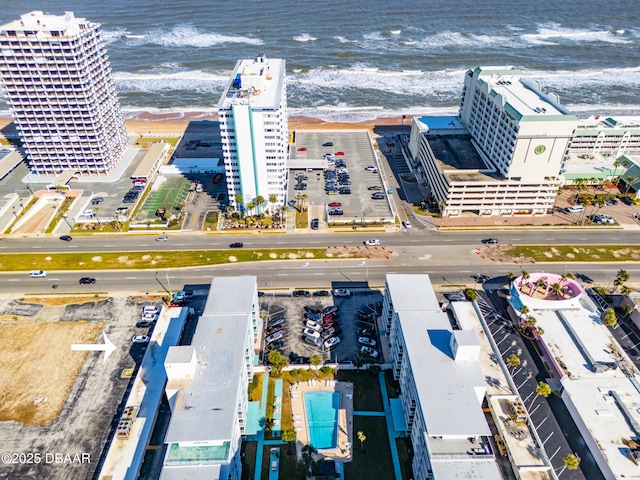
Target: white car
[[333, 341], [150, 309], [370, 342], [369, 351], [313, 325], [341, 292], [163, 238], [149, 317], [372, 243], [371, 168], [406, 224], [140, 339], [37, 274], [273, 337], [311, 333]]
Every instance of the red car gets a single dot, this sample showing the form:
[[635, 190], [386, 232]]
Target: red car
[[335, 204], [329, 317], [302, 149], [327, 325], [339, 154]]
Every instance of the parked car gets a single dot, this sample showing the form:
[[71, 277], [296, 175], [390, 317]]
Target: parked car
[[312, 316], [327, 144], [344, 191], [374, 187], [610, 201], [300, 177], [275, 345], [330, 309], [331, 342], [377, 196], [274, 337], [144, 324], [140, 339], [312, 340], [309, 332], [97, 200], [151, 309], [66, 238], [175, 302], [371, 168], [580, 208], [272, 330], [328, 325], [312, 309], [341, 292], [363, 332], [328, 333], [274, 322], [455, 297], [370, 342], [372, 243], [313, 325], [163, 238], [149, 317], [301, 293], [321, 293], [236, 245], [183, 295], [627, 200], [37, 274], [87, 281], [335, 204], [370, 352], [336, 211], [406, 224], [315, 224]]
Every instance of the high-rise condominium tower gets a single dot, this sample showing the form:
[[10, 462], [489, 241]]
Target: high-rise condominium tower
[[57, 80]]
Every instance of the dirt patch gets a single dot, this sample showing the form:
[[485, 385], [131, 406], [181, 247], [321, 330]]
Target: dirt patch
[[97, 258], [38, 368], [89, 311], [17, 308], [57, 301], [233, 259]]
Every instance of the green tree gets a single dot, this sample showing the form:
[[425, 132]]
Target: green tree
[[540, 283], [539, 331], [531, 321], [524, 311], [556, 289], [316, 361], [513, 361], [625, 290], [277, 362], [363, 438], [571, 462], [290, 437], [525, 276], [250, 207], [609, 318], [239, 199], [308, 465], [259, 202], [628, 182], [621, 277], [471, 294], [543, 389], [511, 276], [358, 362], [273, 198]]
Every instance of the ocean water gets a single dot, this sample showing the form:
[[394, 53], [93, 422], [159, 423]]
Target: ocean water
[[353, 60]]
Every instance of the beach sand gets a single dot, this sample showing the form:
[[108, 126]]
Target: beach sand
[[174, 123]]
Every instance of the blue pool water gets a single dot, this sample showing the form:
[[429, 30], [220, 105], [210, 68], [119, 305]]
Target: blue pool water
[[322, 418]]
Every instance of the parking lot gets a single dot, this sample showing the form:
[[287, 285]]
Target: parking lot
[[355, 313], [357, 154]]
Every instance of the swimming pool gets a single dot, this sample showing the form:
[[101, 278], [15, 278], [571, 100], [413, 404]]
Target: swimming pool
[[322, 418]]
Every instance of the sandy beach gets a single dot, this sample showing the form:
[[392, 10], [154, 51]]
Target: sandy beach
[[176, 123]]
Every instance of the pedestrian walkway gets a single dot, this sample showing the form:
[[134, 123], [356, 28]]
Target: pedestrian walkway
[[390, 429], [277, 408], [368, 414], [260, 436]]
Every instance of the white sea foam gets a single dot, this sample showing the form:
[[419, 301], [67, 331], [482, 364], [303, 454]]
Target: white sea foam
[[305, 37], [189, 36], [111, 36], [554, 33], [343, 39], [192, 80]]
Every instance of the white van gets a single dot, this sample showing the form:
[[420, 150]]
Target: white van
[[88, 213], [150, 309], [574, 209]]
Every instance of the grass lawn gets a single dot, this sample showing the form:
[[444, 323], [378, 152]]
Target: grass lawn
[[302, 219], [366, 388], [152, 259], [255, 388], [248, 455], [373, 460], [570, 253]]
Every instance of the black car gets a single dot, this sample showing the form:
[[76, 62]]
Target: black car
[[327, 144], [311, 309], [374, 187], [610, 201], [301, 293], [276, 345], [345, 191], [300, 186], [321, 293], [66, 238], [97, 201], [178, 302], [128, 200], [490, 241], [144, 324], [378, 196], [87, 281], [236, 245], [627, 200], [315, 223], [260, 293]]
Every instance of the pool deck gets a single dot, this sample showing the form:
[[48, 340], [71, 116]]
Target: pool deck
[[342, 452]]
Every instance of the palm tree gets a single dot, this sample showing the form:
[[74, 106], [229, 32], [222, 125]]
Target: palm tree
[[539, 331], [358, 362], [511, 276], [628, 182], [259, 202], [273, 198], [525, 277], [556, 289], [531, 321], [524, 311], [250, 206], [289, 436], [363, 438], [540, 283], [307, 464], [316, 361], [609, 318], [621, 277], [625, 290], [571, 462], [239, 199], [513, 361]]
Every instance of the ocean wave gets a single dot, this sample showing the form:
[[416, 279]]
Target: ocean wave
[[305, 37], [111, 36], [189, 36], [192, 80], [554, 33]]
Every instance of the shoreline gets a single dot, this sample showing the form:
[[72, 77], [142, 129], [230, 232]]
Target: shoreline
[[177, 122]]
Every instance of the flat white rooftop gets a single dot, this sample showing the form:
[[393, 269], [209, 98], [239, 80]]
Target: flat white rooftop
[[485, 469], [607, 402], [257, 82], [412, 292], [44, 24], [600, 122]]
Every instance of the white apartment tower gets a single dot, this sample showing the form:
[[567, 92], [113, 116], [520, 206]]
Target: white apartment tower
[[254, 130], [57, 80]]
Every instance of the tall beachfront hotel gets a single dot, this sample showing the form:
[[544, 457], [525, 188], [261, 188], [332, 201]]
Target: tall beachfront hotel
[[505, 151], [56, 76], [254, 130]]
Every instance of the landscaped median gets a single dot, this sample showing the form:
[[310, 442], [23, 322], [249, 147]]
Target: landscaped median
[[561, 253], [166, 259]]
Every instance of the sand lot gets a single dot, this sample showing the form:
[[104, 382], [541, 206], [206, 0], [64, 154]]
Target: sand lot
[[38, 368]]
